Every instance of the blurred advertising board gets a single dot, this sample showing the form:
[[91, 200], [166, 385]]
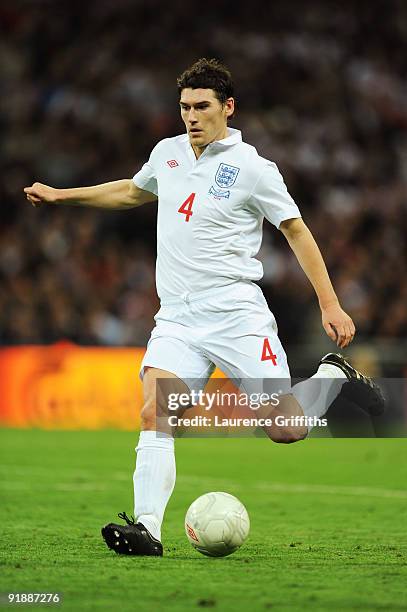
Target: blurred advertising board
[[65, 386]]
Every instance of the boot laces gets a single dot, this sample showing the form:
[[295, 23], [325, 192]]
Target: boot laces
[[129, 521]]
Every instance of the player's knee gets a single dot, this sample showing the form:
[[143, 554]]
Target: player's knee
[[289, 435], [148, 416]]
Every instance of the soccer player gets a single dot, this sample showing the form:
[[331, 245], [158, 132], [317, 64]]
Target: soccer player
[[213, 192]]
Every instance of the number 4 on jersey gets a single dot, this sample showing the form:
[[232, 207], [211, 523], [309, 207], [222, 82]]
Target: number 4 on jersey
[[186, 207], [268, 353]]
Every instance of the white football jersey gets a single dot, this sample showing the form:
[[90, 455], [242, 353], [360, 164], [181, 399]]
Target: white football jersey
[[210, 211]]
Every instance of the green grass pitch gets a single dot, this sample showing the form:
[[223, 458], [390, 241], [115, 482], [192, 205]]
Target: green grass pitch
[[328, 524]]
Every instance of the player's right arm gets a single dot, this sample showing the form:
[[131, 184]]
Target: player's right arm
[[115, 195]]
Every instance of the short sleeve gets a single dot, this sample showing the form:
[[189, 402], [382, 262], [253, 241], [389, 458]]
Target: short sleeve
[[146, 178], [271, 198]]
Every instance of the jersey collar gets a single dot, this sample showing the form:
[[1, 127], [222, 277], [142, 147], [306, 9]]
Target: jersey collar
[[233, 137]]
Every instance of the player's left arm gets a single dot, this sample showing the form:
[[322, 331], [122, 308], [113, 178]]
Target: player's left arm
[[337, 324]]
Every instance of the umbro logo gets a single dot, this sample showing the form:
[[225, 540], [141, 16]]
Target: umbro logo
[[191, 533], [172, 163]]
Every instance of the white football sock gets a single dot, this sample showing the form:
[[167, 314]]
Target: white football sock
[[154, 479], [316, 394]]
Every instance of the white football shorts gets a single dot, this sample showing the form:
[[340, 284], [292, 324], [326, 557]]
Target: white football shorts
[[230, 327]]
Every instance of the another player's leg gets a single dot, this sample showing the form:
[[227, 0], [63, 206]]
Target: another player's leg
[[154, 477]]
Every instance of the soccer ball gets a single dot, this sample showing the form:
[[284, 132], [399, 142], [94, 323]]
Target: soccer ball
[[217, 524]]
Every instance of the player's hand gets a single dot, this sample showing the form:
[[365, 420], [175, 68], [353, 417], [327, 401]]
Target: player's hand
[[40, 194], [338, 325]]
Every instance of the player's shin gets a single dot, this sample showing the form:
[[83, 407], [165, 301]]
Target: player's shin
[[154, 479]]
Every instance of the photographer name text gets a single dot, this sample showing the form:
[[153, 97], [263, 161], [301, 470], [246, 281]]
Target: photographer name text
[[217, 421]]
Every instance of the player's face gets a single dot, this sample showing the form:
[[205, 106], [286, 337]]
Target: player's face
[[204, 116]]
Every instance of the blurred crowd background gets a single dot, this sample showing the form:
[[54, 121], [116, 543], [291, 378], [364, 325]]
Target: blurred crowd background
[[89, 88]]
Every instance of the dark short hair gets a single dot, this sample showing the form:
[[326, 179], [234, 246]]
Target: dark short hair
[[208, 74]]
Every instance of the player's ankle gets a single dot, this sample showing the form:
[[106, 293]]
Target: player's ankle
[[152, 525]]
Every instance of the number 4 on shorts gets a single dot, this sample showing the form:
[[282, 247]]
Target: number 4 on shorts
[[186, 207], [267, 353]]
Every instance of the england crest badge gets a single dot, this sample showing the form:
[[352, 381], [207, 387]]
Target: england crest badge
[[226, 175]]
